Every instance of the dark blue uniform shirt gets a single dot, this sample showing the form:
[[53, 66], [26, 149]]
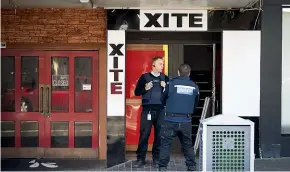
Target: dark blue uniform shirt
[[180, 97]]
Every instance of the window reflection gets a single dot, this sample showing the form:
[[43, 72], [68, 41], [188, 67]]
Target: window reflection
[[7, 84], [83, 84], [59, 72], [29, 84], [59, 84]]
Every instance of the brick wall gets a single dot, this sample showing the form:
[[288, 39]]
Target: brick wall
[[41, 25]]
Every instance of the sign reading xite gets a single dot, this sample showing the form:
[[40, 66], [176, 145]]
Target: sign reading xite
[[116, 86], [193, 19], [173, 20], [116, 73]]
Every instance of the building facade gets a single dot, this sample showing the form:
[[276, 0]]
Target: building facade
[[42, 113], [69, 79]]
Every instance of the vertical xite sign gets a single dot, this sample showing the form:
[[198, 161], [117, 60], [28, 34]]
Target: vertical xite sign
[[116, 73]]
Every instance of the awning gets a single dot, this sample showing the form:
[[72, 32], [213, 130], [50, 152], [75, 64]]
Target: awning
[[131, 4]]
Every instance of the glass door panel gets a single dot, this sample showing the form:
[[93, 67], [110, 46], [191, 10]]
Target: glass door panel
[[7, 100], [59, 84], [22, 120], [7, 84], [83, 84]]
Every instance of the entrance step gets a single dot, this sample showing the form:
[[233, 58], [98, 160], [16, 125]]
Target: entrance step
[[176, 164]]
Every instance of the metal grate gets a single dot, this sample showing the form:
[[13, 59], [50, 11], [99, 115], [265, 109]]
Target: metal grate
[[227, 144], [229, 148]]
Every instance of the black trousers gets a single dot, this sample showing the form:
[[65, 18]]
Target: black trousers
[[183, 131], [145, 130]]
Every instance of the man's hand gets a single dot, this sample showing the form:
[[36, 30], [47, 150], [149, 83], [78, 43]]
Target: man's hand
[[163, 84], [148, 86]]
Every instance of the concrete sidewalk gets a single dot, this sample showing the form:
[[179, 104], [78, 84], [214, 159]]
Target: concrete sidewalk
[[52, 165], [176, 164]]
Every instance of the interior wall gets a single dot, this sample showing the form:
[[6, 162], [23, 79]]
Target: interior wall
[[199, 57], [175, 58], [175, 41]]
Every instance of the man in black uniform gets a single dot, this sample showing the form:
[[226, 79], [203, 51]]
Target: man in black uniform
[[181, 98], [150, 86]]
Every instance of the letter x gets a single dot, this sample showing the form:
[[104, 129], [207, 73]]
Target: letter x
[[152, 19], [116, 49]]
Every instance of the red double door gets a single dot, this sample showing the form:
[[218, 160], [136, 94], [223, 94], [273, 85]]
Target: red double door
[[49, 99]]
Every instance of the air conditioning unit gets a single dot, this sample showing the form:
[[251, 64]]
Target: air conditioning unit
[[226, 144]]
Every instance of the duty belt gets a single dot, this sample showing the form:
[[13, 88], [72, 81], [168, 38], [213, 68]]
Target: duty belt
[[177, 115]]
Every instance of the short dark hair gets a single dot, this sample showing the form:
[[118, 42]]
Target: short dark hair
[[184, 70], [156, 58]]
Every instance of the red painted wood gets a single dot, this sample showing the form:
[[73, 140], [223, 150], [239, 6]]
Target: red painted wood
[[137, 62], [71, 116], [132, 124], [95, 99], [71, 100], [17, 99]]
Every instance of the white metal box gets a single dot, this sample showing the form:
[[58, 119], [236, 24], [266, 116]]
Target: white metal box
[[226, 144]]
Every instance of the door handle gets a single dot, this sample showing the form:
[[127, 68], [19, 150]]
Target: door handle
[[217, 105], [48, 100], [41, 98]]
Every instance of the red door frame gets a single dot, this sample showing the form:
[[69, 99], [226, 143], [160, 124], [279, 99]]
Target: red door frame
[[44, 121]]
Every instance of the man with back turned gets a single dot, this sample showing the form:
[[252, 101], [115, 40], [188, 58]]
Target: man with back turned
[[181, 98], [150, 86]]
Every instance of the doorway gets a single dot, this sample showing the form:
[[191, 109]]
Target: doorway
[[205, 72], [173, 46], [138, 61], [203, 62], [49, 104]]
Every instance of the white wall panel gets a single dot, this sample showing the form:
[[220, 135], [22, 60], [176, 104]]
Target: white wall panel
[[241, 73], [285, 95], [116, 73]]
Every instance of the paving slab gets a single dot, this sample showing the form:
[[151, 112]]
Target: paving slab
[[176, 164]]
